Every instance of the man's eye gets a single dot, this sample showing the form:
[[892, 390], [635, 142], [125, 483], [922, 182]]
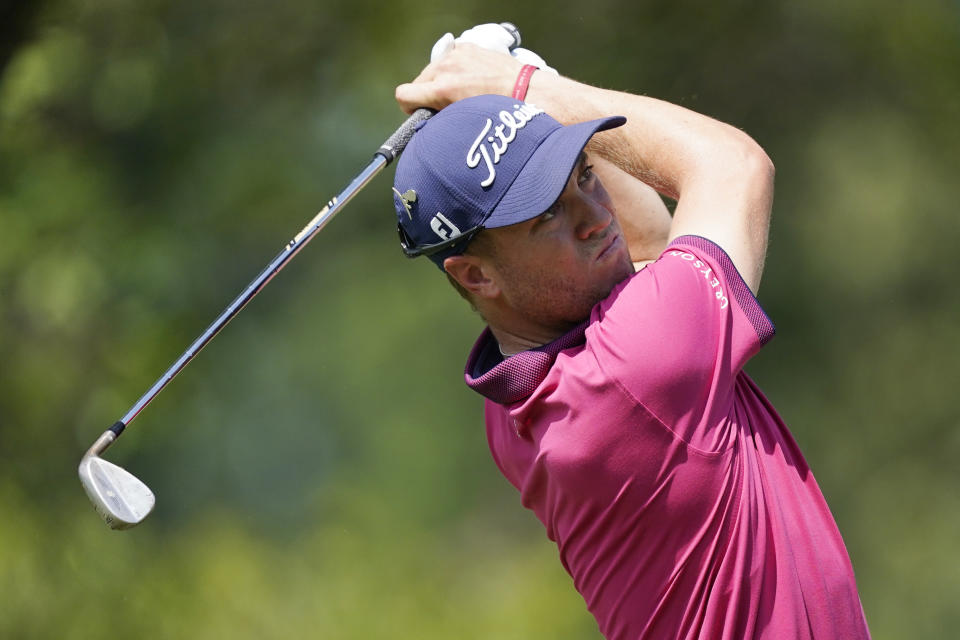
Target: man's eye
[[586, 175], [550, 213]]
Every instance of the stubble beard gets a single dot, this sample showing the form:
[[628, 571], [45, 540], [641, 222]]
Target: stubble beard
[[557, 302]]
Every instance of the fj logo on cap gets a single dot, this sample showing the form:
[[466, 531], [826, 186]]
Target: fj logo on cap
[[443, 227], [503, 134]]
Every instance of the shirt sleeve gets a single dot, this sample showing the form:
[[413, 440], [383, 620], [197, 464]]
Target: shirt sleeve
[[677, 333]]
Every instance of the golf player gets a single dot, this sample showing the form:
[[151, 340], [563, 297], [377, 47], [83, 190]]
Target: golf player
[[612, 363]]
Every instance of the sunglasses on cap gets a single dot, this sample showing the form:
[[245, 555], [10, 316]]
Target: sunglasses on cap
[[412, 251]]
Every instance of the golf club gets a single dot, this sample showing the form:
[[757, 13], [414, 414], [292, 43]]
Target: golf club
[[119, 497]]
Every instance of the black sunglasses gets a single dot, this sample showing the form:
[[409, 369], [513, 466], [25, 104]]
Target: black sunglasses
[[412, 251]]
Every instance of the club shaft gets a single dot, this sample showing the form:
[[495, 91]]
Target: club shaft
[[291, 249], [387, 153]]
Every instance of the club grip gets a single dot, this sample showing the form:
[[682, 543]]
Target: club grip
[[396, 143]]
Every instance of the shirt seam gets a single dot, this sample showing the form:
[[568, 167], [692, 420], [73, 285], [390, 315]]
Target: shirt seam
[[746, 299], [625, 391]]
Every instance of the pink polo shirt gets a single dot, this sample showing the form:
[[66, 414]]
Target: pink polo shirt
[[680, 504]]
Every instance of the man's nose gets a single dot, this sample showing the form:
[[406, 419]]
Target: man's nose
[[593, 219]]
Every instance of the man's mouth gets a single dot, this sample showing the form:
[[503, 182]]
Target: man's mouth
[[607, 250]]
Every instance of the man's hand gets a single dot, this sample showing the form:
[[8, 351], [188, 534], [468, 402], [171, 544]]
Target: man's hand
[[721, 178], [464, 71], [458, 70], [494, 37]]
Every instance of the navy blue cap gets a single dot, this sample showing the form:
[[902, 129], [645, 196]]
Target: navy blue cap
[[483, 162]]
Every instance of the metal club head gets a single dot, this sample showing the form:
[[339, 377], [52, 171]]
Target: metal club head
[[119, 497]]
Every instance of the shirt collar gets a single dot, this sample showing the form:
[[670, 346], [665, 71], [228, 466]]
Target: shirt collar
[[506, 381]]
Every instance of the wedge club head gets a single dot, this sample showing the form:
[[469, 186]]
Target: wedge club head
[[119, 497]]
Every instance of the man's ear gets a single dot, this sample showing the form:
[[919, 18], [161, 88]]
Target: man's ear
[[473, 274]]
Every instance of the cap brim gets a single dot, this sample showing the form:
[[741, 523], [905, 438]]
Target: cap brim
[[545, 174]]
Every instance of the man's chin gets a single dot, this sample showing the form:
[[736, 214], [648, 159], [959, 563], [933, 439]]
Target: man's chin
[[624, 270], [620, 275]]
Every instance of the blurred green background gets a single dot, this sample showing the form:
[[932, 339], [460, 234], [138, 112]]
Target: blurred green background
[[321, 470]]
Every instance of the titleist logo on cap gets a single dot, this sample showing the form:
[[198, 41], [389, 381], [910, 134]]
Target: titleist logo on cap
[[503, 134]]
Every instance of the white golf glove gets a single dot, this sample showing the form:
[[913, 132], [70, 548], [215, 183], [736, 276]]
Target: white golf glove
[[490, 36]]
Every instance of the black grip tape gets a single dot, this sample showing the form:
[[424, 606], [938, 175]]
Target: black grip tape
[[396, 143]]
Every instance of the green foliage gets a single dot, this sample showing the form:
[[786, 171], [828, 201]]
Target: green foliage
[[321, 470]]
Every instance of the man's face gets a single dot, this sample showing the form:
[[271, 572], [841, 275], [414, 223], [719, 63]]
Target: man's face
[[554, 268]]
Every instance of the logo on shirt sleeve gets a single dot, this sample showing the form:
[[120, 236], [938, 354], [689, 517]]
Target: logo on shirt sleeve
[[707, 273]]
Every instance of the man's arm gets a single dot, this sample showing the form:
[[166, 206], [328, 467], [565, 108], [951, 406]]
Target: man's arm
[[721, 178], [643, 217]]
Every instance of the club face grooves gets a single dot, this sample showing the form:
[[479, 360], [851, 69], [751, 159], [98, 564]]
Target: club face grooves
[[119, 497]]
